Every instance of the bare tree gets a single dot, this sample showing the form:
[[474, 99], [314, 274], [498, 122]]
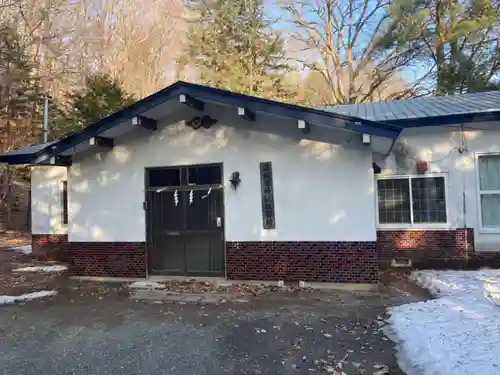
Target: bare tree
[[136, 41], [340, 38], [19, 88], [65, 41]]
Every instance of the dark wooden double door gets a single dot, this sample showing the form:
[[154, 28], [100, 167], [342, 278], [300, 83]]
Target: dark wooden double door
[[184, 220]]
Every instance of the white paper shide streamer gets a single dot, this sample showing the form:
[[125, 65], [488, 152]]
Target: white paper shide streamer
[[176, 198], [207, 194]]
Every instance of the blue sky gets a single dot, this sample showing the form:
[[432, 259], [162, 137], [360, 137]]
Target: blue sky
[[275, 11]]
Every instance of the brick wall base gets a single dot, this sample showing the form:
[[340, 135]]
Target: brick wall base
[[452, 248], [50, 246], [341, 262], [107, 259]]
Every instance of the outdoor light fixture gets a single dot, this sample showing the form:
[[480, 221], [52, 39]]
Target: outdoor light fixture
[[235, 179]]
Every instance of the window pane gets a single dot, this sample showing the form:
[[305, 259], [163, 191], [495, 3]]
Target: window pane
[[164, 177], [210, 175], [65, 201], [489, 172], [429, 200], [490, 210], [393, 201]]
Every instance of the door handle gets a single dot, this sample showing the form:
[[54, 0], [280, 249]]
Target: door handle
[[219, 222]]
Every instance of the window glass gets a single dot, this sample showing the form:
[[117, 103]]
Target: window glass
[[65, 201], [490, 210], [489, 190], [425, 203], [393, 201], [489, 172], [164, 177], [429, 201], [206, 175]]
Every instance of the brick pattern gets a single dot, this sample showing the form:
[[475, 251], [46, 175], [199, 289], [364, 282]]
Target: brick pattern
[[107, 259], [433, 248], [50, 246], [341, 262], [348, 262]]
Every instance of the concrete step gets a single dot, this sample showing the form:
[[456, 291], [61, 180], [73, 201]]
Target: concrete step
[[180, 298], [146, 285]]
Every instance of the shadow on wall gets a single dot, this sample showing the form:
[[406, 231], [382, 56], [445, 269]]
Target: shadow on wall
[[47, 190], [106, 189], [452, 152]]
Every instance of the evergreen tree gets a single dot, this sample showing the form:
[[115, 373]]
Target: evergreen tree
[[100, 97], [460, 38], [231, 45]]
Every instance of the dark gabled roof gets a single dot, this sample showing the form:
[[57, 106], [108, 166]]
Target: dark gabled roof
[[24, 155], [255, 104], [428, 111]]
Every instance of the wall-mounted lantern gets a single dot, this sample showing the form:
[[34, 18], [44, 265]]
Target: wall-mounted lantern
[[235, 179]]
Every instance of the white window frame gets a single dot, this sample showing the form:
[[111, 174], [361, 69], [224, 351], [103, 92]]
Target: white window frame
[[483, 229], [414, 225]]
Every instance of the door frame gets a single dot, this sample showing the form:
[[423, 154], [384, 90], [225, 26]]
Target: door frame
[[185, 188]]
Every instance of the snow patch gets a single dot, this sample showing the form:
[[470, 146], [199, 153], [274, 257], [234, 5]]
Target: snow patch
[[456, 334], [55, 268], [22, 249], [6, 300]]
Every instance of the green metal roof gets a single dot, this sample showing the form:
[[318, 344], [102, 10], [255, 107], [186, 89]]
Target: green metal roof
[[429, 110]]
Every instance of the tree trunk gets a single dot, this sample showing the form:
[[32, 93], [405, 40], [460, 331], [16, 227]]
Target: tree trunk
[[440, 38]]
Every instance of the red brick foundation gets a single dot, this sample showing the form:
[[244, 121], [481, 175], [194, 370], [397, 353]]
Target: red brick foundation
[[107, 259], [50, 246], [341, 262], [433, 248]]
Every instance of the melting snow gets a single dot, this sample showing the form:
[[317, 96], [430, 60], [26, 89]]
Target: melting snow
[[5, 300], [55, 268], [22, 249], [456, 334]]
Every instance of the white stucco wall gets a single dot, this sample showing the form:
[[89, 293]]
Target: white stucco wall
[[439, 147], [46, 200], [323, 192]]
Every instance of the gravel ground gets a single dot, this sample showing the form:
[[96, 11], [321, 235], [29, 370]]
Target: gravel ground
[[96, 329]]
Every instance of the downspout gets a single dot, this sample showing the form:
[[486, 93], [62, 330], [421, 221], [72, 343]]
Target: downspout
[[465, 222], [462, 150]]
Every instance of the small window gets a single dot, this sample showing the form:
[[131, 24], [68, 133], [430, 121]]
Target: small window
[[267, 192], [161, 177], [206, 175], [64, 200], [489, 190], [429, 201], [393, 201], [412, 200]]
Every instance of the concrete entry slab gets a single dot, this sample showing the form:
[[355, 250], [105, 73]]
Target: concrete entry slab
[[191, 299], [211, 299], [148, 285]]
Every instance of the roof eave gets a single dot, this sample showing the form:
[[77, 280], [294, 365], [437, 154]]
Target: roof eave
[[465, 118], [211, 94], [225, 97]]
